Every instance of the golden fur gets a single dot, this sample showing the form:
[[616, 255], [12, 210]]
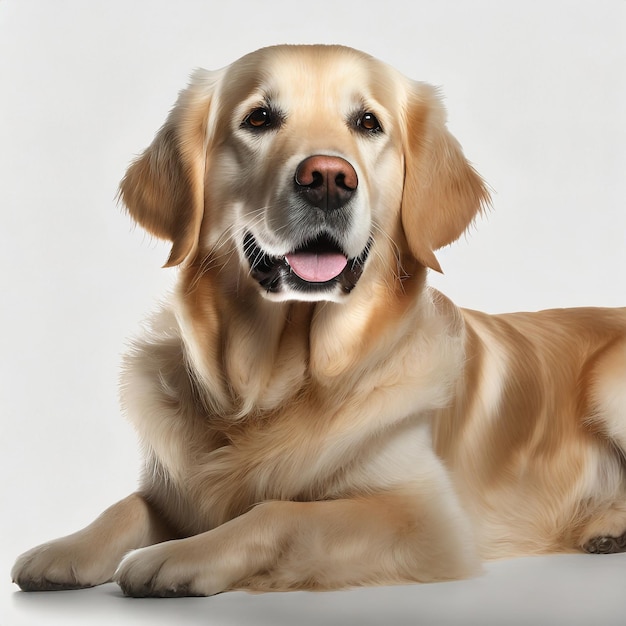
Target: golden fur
[[369, 434]]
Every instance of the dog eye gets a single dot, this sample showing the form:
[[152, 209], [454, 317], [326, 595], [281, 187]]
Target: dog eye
[[259, 118], [369, 122]]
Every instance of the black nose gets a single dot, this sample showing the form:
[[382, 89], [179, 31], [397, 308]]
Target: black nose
[[326, 182]]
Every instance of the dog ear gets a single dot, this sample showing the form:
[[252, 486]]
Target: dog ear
[[442, 192], [163, 189]]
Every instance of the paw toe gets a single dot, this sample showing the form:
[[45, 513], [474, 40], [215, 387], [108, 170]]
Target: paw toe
[[43, 584]]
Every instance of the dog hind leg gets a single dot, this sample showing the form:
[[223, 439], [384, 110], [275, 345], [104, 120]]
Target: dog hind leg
[[607, 533]]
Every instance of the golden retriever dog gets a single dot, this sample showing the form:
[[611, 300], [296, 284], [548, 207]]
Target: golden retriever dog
[[313, 415]]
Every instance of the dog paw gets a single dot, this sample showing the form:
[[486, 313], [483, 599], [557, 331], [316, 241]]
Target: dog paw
[[58, 565], [166, 570], [606, 545]]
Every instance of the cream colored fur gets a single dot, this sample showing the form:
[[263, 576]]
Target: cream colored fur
[[375, 437]]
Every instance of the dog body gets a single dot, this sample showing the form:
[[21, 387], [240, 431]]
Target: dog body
[[313, 414]]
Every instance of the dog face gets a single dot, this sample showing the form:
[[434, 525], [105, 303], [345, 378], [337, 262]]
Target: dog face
[[303, 162], [306, 143]]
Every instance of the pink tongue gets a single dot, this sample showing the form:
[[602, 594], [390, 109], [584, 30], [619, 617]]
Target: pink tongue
[[317, 268]]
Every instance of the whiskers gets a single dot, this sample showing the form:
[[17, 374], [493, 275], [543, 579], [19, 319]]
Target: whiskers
[[236, 256], [398, 273], [227, 246]]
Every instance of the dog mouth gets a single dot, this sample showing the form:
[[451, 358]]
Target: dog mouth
[[319, 265]]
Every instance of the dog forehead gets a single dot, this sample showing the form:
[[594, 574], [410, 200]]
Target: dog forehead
[[319, 75], [305, 68]]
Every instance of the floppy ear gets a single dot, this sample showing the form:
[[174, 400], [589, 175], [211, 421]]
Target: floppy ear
[[163, 189], [442, 191]]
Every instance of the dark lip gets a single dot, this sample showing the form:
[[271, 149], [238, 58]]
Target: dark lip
[[273, 273]]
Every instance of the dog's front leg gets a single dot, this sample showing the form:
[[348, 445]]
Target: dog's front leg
[[90, 556], [375, 539]]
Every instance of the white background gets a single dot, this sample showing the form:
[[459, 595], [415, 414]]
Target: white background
[[536, 93]]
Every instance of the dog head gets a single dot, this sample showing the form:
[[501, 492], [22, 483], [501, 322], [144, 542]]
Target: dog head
[[299, 164]]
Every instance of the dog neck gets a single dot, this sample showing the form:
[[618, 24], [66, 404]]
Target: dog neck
[[250, 355]]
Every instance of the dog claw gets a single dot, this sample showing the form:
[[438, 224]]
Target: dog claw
[[149, 591]]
